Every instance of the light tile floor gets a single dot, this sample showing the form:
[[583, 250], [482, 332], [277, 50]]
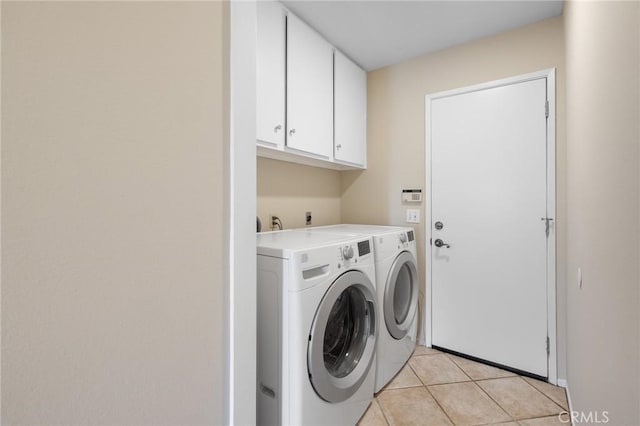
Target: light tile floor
[[435, 388]]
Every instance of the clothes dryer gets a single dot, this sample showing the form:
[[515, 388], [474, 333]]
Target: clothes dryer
[[317, 328]]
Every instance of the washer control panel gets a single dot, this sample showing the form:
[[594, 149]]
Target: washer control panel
[[364, 247], [347, 252], [352, 252]]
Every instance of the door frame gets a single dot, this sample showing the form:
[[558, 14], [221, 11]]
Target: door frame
[[550, 75], [240, 237]]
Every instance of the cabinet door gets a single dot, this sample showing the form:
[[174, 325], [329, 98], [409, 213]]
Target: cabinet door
[[350, 111], [309, 90], [270, 74]]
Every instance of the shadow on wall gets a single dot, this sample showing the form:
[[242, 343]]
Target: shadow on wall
[[290, 190], [348, 178]]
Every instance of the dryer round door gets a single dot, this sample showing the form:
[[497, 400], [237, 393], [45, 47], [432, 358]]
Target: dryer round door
[[343, 337], [401, 295]]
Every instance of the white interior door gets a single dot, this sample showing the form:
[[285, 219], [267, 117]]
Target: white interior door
[[489, 192]]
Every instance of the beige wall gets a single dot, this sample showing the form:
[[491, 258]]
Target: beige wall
[[289, 190], [603, 80], [112, 206], [396, 126]]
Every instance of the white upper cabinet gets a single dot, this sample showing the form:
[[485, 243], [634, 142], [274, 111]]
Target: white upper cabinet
[[298, 97], [309, 90], [270, 74], [350, 117]]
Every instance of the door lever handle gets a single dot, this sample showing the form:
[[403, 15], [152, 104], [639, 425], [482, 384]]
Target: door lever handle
[[440, 243]]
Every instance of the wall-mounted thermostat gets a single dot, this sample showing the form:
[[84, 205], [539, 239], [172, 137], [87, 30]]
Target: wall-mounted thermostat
[[412, 195]]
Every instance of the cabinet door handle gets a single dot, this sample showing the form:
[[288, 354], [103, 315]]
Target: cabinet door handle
[[291, 132], [278, 127]]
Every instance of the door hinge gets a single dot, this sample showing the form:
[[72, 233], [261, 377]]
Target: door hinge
[[548, 346], [546, 109], [547, 224]]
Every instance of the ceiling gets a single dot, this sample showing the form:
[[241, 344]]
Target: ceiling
[[377, 33]]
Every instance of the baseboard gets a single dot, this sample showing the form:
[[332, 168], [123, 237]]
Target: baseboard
[[563, 383]]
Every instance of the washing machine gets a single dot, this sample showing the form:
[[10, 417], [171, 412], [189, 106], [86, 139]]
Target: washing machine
[[397, 289], [317, 328]]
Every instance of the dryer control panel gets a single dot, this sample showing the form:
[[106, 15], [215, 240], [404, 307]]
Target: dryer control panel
[[406, 239]]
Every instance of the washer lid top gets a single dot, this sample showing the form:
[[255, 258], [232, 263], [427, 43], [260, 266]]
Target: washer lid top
[[355, 229], [283, 244]]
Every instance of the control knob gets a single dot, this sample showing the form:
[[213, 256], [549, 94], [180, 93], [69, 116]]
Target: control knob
[[403, 238], [347, 252]]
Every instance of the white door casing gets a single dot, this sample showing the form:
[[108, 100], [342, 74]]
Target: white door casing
[[239, 180], [493, 296]]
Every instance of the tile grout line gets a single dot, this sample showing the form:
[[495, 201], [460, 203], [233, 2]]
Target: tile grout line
[[438, 404], [495, 378], [432, 396], [384, 416], [542, 417], [512, 418], [496, 402], [421, 385], [400, 389], [431, 354], [545, 395], [446, 383], [482, 390], [453, 358], [459, 367], [375, 398], [489, 396], [504, 409], [552, 400], [471, 380]]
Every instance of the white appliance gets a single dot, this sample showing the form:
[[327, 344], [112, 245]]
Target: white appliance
[[397, 288], [317, 328]]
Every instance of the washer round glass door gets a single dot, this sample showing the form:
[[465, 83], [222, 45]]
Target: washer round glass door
[[401, 295], [343, 337]]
